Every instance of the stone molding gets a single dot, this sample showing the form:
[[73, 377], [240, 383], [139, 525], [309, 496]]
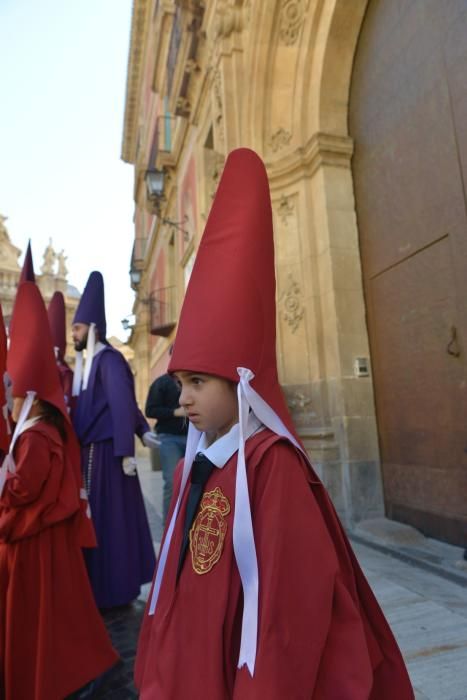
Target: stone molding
[[138, 37], [321, 149]]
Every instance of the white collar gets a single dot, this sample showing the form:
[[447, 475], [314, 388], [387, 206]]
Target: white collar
[[98, 348], [220, 451], [28, 424]]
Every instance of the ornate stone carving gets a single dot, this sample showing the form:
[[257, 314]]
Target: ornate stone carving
[[62, 270], [279, 139], [182, 107], [228, 18], [218, 116], [50, 257], [291, 20], [191, 66], [285, 209], [292, 308], [298, 401], [9, 253], [217, 166]]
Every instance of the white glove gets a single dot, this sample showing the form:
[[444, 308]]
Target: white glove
[[129, 466], [150, 440]]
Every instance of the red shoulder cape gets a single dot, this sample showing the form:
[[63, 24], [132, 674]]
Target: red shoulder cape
[[322, 634]]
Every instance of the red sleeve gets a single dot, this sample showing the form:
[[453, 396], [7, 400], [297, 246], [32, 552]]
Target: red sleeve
[[32, 458], [302, 604]]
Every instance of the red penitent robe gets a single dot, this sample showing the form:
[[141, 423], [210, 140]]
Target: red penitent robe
[[52, 639], [66, 380], [322, 635]]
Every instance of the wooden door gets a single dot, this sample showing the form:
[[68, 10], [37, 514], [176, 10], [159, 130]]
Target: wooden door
[[408, 118]]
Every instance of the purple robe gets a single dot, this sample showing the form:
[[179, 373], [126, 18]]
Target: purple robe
[[106, 420]]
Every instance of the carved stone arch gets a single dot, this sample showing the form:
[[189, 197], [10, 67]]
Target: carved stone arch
[[328, 71], [275, 53], [257, 58]]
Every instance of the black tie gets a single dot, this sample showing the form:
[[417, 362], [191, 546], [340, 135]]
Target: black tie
[[200, 473]]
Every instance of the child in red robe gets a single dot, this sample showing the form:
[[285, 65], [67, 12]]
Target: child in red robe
[[257, 594], [52, 639]]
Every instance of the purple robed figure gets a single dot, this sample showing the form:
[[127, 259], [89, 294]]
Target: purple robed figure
[[106, 420]]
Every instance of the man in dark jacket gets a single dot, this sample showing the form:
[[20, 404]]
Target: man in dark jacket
[[162, 404]]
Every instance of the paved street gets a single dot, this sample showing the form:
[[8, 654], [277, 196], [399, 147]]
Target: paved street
[[428, 615]]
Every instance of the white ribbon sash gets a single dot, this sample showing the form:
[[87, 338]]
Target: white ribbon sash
[[91, 344], [9, 463], [77, 374], [80, 375]]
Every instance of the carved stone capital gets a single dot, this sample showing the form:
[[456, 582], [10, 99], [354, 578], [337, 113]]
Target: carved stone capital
[[229, 18]]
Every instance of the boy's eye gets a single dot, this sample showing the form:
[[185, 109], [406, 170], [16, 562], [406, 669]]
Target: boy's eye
[[196, 380]]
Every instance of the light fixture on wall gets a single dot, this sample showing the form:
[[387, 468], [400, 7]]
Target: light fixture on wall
[[135, 277], [154, 184], [128, 322], [155, 181]]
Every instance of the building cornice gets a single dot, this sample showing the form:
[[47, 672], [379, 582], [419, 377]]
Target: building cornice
[[138, 38]]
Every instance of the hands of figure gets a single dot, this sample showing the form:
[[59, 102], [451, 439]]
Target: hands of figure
[[129, 466], [179, 412], [150, 440]]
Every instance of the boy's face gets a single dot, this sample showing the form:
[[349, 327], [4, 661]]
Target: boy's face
[[210, 402]]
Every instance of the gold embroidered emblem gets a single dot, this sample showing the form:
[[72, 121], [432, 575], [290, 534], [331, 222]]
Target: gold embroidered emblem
[[208, 532]]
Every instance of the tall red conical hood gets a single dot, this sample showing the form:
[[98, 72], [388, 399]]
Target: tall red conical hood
[[31, 361], [27, 272], [228, 318], [57, 322]]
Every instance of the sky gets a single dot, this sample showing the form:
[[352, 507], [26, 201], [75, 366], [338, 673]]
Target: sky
[[63, 66]]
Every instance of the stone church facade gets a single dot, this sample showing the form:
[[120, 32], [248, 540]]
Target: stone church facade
[[358, 110], [51, 278]]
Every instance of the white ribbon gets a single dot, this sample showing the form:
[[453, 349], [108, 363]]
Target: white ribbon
[[80, 375], [77, 374], [89, 354], [83, 494], [9, 462], [244, 541], [192, 443], [243, 536], [5, 413]]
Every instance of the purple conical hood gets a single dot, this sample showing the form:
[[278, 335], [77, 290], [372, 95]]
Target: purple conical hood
[[27, 273], [91, 308]]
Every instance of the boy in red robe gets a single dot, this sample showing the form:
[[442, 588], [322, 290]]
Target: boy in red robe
[[52, 639], [257, 594]]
